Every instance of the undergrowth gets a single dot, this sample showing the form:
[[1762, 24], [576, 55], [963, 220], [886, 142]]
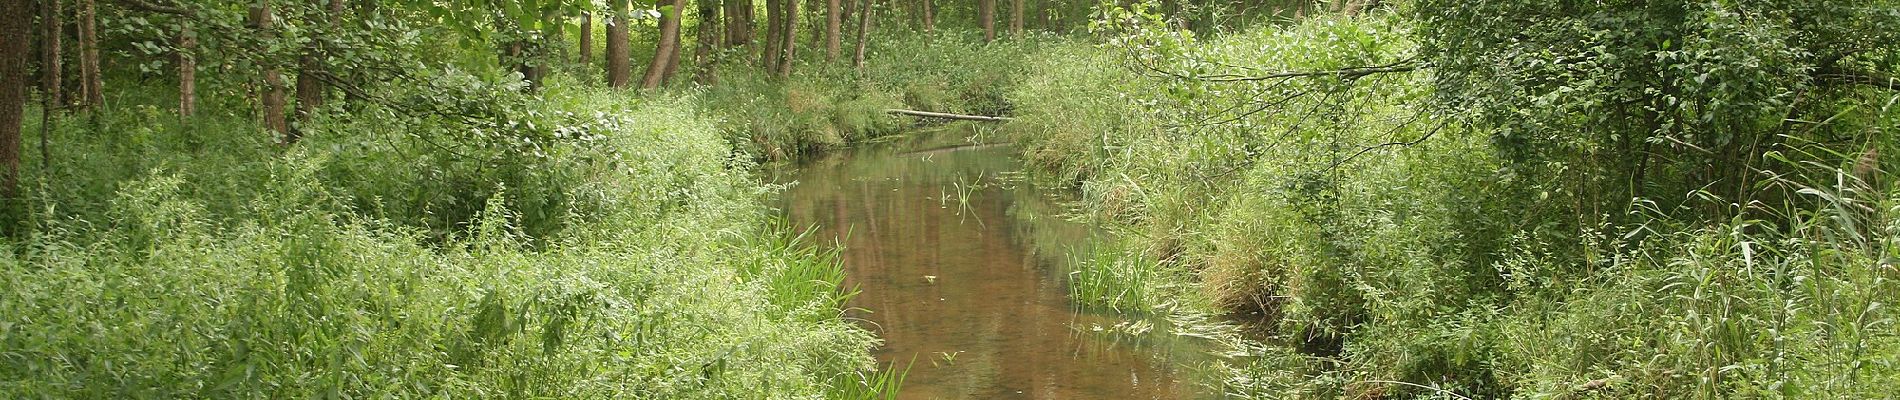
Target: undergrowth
[[627, 255], [1384, 248]]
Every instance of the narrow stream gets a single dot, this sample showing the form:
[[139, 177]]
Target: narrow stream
[[959, 263]]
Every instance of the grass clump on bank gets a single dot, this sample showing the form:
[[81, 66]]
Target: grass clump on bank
[[631, 257], [1387, 246]]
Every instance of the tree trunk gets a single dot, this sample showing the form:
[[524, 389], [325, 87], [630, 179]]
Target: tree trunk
[[668, 46], [708, 37], [930, 16], [187, 72], [864, 34], [986, 16], [774, 26], [673, 59], [16, 25], [273, 90], [790, 47], [619, 62], [587, 39], [53, 63], [834, 29], [51, 95], [91, 86], [738, 23], [1016, 18], [310, 87]]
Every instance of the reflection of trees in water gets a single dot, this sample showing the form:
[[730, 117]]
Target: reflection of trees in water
[[996, 301]]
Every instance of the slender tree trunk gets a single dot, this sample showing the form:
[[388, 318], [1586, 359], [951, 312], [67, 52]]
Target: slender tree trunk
[[834, 29], [774, 26], [668, 46], [619, 61], [738, 23], [310, 87], [587, 39], [90, 85], [864, 34], [986, 16], [53, 22], [187, 72], [16, 25], [1016, 18], [273, 90], [707, 34], [790, 47], [52, 64]]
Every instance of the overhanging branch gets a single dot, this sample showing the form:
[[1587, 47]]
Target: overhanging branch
[[1344, 73]]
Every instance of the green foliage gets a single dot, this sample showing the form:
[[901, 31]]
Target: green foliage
[[1391, 240], [828, 105], [1651, 100], [630, 261]]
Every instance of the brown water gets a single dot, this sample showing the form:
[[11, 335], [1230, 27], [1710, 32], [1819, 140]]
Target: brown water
[[959, 264]]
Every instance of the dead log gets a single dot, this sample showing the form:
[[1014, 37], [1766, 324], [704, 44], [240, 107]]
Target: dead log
[[963, 117]]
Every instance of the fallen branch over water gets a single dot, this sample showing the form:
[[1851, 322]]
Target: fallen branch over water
[[964, 117]]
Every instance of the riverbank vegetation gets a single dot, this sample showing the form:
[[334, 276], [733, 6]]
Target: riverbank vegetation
[[1501, 199], [240, 199], [1398, 199]]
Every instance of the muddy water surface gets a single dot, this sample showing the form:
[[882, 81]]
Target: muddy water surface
[[958, 261]]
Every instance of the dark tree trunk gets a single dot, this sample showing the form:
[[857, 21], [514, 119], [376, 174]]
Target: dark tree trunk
[[587, 39], [738, 23], [310, 87], [708, 37], [790, 47], [53, 62], [52, 65], [667, 47], [16, 25], [774, 26], [619, 62]]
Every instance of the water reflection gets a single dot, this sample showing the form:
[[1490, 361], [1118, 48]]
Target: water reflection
[[956, 261]]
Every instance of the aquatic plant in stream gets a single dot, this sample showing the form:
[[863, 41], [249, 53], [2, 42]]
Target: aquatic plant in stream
[[1113, 278]]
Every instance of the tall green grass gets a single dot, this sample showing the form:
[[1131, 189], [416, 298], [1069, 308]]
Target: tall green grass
[[1431, 269], [166, 259]]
